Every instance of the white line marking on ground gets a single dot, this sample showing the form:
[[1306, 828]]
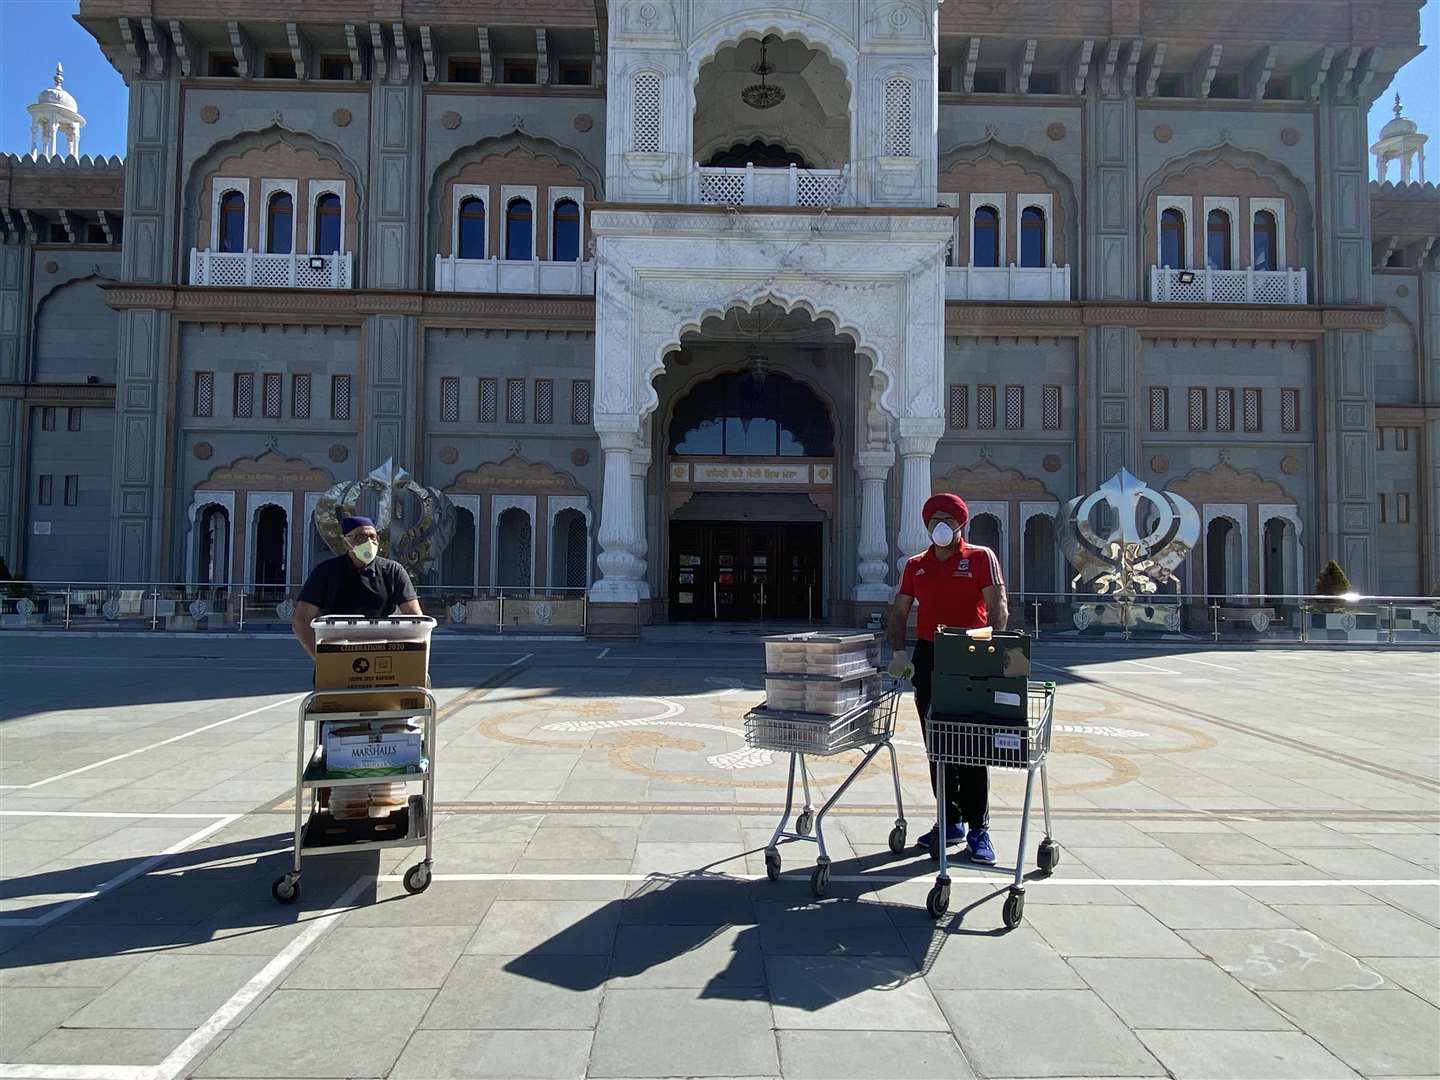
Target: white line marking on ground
[[1204, 663], [1140, 664], [964, 869], [180, 1058], [100, 814], [130, 874], [515, 663], [603, 653], [155, 745], [77, 1072]]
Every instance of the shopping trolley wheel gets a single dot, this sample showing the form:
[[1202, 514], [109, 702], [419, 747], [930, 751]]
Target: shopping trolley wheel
[[417, 878], [286, 889], [937, 903], [804, 823], [1014, 908], [772, 864], [1049, 855], [897, 839], [820, 879]]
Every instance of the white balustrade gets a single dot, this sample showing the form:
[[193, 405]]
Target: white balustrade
[[266, 270], [453, 274], [749, 186], [1227, 286], [1007, 283]]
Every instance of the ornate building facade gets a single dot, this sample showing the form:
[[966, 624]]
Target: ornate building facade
[[691, 304]]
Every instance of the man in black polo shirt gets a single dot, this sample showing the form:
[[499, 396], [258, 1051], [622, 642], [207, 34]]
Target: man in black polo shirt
[[356, 583]]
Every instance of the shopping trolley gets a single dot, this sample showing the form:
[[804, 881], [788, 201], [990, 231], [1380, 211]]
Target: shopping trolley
[[996, 745], [869, 727]]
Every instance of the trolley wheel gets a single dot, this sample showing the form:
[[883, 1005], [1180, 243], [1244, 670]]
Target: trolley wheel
[[1049, 855], [417, 878], [820, 879], [937, 903], [772, 864], [897, 839], [804, 823], [1014, 908], [286, 889]]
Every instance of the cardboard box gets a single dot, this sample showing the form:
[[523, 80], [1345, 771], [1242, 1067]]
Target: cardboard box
[[370, 665], [377, 753]]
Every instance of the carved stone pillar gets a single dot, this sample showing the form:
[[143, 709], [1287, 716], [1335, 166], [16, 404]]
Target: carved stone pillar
[[639, 470], [619, 530], [915, 453], [874, 547]]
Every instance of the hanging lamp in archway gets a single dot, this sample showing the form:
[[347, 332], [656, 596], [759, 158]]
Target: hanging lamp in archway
[[762, 95]]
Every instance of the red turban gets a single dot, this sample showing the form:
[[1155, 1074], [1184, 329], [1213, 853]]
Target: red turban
[[946, 502]]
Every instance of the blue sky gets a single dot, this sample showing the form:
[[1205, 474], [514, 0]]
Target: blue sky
[[34, 34]]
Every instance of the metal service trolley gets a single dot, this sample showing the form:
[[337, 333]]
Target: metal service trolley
[[366, 809], [824, 696], [1008, 728]]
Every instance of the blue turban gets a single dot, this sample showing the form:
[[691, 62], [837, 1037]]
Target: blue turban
[[350, 524]]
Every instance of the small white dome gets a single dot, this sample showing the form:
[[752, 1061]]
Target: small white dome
[[56, 94]]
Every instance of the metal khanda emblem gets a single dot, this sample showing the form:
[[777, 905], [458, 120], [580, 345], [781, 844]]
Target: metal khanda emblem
[[419, 546], [1128, 560]]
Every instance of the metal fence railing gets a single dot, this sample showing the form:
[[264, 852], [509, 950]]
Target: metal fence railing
[[181, 607]]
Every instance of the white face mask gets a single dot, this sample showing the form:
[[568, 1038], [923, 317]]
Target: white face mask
[[942, 535], [366, 551]]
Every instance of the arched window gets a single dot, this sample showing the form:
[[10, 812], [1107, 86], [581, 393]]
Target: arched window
[[327, 224], [272, 535], [747, 414], [1266, 255], [565, 231], [518, 218], [279, 224], [472, 228], [232, 221], [985, 243], [514, 549], [1217, 240], [213, 535], [1172, 239], [1032, 236]]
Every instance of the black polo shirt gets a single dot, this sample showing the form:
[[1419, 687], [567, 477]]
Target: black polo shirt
[[338, 587]]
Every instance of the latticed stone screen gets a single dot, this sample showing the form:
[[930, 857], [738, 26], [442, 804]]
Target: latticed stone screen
[[489, 401], [1050, 408], [645, 134], [580, 396], [985, 406], [897, 116], [1252, 409], [1224, 409], [449, 399], [1014, 407], [514, 401], [244, 396], [544, 401], [1289, 410], [958, 408], [1195, 406], [300, 397], [274, 390], [340, 397], [204, 393], [1159, 409]]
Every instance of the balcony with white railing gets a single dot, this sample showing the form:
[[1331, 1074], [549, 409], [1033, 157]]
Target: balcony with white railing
[[265, 270], [1227, 286], [540, 276], [749, 186], [1007, 283]]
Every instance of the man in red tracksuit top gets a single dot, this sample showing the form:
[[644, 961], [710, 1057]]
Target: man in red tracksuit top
[[960, 585]]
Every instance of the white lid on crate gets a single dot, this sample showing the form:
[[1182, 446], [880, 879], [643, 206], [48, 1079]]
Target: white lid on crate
[[353, 629]]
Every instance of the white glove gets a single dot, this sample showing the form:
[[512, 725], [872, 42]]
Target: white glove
[[900, 666]]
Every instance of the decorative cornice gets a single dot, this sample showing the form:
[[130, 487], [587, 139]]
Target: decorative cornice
[[83, 394], [964, 319], [1396, 415]]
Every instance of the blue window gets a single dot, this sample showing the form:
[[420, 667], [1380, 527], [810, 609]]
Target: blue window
[[279, 224], [518, 218], [565, 244], [327, 224], [232, 221], [1217, 240], [986, 241], [1265, 251], [1172, 239], [472, 228], [1032, 236], [752, 414]]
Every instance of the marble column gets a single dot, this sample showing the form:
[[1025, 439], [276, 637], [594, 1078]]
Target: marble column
[[639, 470], [620, 532], [915, 488], [873, 466]]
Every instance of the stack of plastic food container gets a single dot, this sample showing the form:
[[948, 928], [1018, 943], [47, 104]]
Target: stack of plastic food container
[[822, 674]]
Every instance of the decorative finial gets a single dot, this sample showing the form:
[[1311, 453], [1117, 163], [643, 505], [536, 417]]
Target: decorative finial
[[59, 74], [1397, 106]]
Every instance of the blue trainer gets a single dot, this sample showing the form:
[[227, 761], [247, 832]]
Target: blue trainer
[[979, 849], [954, 833]]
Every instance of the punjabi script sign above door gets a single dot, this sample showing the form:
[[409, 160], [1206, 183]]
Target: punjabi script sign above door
[[787, 476]]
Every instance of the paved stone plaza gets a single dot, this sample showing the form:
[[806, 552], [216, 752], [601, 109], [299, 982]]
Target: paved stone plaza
[[1249, 886]]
